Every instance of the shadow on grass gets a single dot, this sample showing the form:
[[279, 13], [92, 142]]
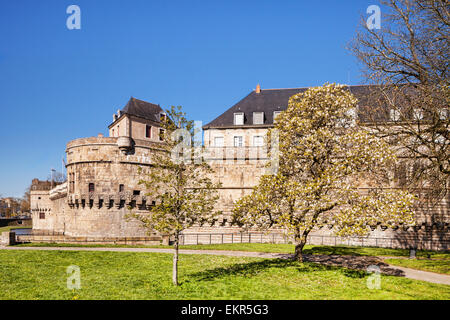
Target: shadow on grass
[[328, 250], [254, 268], [361, 263], [350, 251]]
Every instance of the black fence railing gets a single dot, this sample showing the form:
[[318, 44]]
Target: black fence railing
[[229, 238], [226, 238]]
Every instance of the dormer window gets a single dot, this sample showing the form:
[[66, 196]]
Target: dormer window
[[258, 117], [443, 114], [394, 115], [353, 114], [418, 114], [275, 115], [238, 118]]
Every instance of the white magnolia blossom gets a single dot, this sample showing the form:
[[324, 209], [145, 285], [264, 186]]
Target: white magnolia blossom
[[322, 164]]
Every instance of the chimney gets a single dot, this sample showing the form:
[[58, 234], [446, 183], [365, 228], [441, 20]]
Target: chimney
[[258, 88]]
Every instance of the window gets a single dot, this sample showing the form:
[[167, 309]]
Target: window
[[418, 114], [162, 117], [275, 115], [148, 131], [443, 114], [352, 113], [239, 119], [238, 142], [258, 141], [121, 188], [400, 173], [394, 115], [70, 177], [136, 192], [91, 187], [218, 142], [161, 134], [258, 117], [113, 133], [41, 215], [440, 139]]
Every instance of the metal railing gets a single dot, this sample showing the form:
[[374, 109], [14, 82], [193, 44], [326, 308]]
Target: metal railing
[[254, 237], [229, 238]]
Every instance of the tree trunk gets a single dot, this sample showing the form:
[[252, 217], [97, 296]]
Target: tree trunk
[[175, 263], [299, 248], [299, 252]]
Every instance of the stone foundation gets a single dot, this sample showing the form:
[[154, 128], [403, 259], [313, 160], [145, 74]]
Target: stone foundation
[[8, 238]]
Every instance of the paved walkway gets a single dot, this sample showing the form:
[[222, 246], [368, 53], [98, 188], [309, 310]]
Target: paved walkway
[[351, 262]]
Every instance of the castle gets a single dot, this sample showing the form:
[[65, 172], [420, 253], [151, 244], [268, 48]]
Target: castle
[[102, 175]]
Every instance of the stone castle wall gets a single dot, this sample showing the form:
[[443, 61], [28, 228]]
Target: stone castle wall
[[106, 163], [100, 212]]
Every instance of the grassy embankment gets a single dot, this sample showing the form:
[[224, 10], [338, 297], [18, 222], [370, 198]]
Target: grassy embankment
[[127, 275]]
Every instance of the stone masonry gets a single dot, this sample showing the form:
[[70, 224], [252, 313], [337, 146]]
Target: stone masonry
[[102, 178]]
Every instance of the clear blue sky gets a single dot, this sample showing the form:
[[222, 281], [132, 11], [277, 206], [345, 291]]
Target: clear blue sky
[[58, 84]]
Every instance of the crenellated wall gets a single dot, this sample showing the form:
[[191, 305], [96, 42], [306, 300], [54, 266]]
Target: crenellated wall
[[99, 211]]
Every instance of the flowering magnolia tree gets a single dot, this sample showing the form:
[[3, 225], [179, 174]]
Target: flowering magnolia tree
[[184, 194], [323, 158]]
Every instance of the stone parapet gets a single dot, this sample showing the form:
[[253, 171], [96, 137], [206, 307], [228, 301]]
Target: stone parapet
[[108, 201], [58, 192], [36, 238]]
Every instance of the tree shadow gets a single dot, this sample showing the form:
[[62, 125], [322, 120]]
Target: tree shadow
[[254, 268], [358, 263], [334, 250], [243, 269]]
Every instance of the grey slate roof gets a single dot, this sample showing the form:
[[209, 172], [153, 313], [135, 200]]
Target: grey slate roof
[[268, 101], [142, 109]]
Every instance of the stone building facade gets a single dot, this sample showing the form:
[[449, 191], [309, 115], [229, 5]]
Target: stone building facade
[[102, 175]]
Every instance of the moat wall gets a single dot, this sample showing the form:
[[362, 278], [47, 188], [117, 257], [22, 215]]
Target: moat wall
[[103, 188]]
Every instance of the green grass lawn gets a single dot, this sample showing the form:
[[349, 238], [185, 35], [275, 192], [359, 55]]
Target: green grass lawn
[[126, 275], [276, 248], [437, 265]]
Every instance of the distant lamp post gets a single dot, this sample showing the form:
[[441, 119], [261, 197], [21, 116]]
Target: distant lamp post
[[53, 170]]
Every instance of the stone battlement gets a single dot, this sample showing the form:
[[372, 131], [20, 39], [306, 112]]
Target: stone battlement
[[92, 141], [58, 192], [108, 201]]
